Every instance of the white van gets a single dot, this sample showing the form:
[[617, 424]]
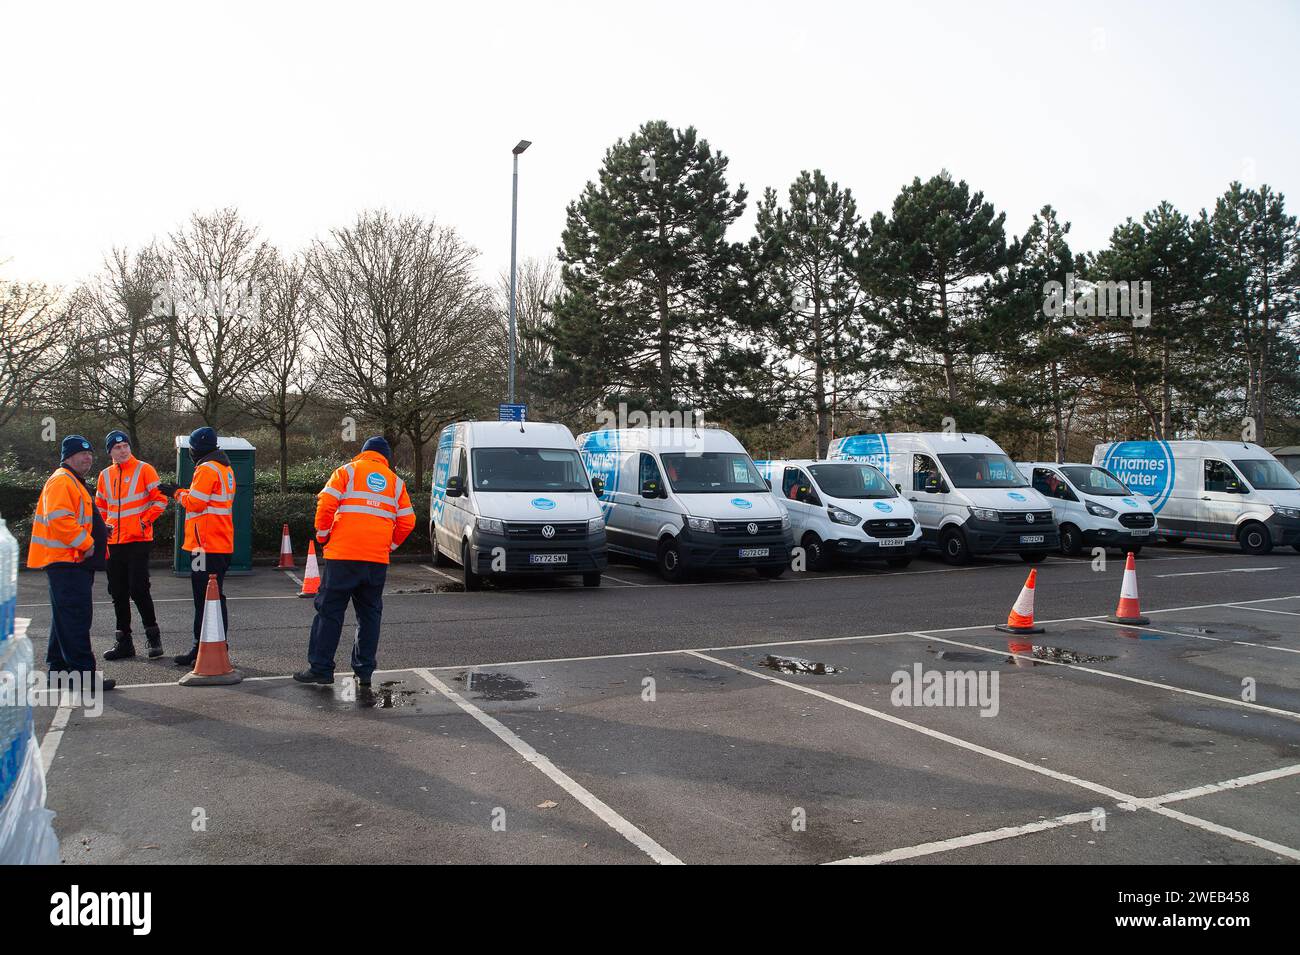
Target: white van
[[514, 498], [1211, 490], [689, 499], [1092, 507], [968, 496], [843, 509]]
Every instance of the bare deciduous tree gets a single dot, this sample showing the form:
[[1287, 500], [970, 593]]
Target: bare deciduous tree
[[217, 268], [277, 389], [31, 337]]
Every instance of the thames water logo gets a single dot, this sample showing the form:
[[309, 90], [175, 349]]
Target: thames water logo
[[543, 503], [1145, 467], [376, 481], [741, 503], [882, 506], [74, 908], [1015, 496]]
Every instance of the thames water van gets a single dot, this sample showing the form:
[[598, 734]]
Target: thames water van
[[1092, 507], [1210, 490], [689, 499], [514, 498], [843, 509], [967, 494]]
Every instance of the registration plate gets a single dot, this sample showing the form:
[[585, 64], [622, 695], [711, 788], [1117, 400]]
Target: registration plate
[[891, 541], [1031, 538], [755, 551], [1142, 533], [548, 558]]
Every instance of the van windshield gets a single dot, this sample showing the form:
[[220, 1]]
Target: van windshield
[[851, 481], [1266, 475], [713, 472], [528, 469], [1095, 481], [982, 470]]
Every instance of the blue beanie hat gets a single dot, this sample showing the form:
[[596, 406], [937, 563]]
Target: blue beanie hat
[[379, 446], [72, 444], [115, 437], [202, 441]]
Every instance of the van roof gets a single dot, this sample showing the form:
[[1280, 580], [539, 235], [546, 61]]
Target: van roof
[[1229, 449], [950, 442], [507, 434], [660, 439]]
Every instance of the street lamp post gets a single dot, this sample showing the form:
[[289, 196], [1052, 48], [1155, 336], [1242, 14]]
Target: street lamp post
[[514, 230]]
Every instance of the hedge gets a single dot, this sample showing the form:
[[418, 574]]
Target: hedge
[[272, 509]]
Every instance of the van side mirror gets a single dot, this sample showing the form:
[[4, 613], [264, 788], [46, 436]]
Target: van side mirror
[[1234, 487], [455, 486], [597, 486], [935, 485], [898, 488], [649, 489]]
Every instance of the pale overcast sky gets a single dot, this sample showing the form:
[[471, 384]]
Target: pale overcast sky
[[119, 119]]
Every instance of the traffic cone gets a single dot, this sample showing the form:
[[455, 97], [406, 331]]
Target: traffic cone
[[1021, 617], [310, 576], [286, 549], [1127, 611], [212, 666]]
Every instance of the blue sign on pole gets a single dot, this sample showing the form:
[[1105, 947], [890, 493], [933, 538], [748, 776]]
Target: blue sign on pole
[[512, 412]]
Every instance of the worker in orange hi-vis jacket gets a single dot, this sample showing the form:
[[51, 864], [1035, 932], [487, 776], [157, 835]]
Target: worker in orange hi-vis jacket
[[129, 499], [68, 542], [209, 504], [362, 515]]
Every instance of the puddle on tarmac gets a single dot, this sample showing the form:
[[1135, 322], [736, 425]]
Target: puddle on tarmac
[[1064, 655], [797, 665], [447, 588], [495, 686], [963, 656], [696, 673], [388, 695], [1199, 631]]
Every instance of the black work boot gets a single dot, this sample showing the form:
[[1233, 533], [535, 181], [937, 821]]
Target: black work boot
[[187, 659], [312, 676], [123, 648], [153, 637]]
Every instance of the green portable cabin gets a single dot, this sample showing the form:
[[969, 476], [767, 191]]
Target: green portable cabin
[[241, 455]]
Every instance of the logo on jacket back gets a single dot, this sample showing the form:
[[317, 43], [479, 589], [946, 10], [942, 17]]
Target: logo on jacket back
[[882, 506], [543, 503], [741, 503], [376, 482]]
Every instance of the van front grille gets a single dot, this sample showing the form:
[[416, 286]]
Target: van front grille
[[1041, 518], [1137, 520], [894, 527]]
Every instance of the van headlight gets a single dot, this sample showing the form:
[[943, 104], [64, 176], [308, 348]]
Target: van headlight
[[595, 525], [841, 516], [1291, 512], [785, 519], [985, 514], [701, 524], [1100, 510], [490, 525]]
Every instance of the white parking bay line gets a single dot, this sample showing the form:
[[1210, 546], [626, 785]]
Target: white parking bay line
[[630, 583], [607, 815], [963, 842], [440, 573], [1289, 613], [1231, 570], [54, 735], [1200, 636], [294, 577]]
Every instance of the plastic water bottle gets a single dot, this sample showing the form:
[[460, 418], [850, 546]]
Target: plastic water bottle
[[8, 581]]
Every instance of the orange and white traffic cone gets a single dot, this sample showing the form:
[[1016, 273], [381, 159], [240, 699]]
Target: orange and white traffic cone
[[1128, 611], [1021, 617], [286, 549], [212, 666], [310, 576]]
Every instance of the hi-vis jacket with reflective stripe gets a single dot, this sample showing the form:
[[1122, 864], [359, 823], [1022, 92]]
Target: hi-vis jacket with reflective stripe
[[61, 528], [129, 501], [363, 512], [208, 504]]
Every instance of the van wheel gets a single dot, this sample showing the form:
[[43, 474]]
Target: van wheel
[[1255, 539], [1071, 540], [898, 563], [1033, 557], [1174, 540], [473, 581], [669, 561], [591, 580], [815, 551], [438, 559], [953, 548], [771, 571]]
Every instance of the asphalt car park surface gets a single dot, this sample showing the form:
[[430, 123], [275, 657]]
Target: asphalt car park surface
[[638, 722]]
